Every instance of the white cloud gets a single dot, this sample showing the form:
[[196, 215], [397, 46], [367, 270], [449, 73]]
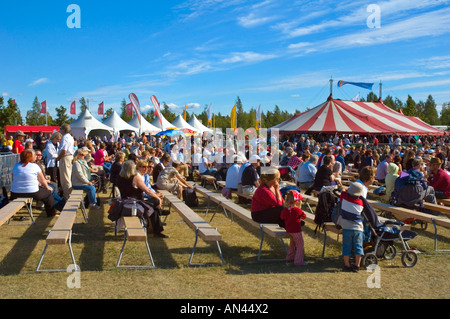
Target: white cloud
[[5, 94], [247, 57], [39, 81], [252, 20]]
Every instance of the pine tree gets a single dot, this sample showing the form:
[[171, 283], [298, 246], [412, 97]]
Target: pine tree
[[410, 107], [61, 116], [430, 114], [445, 114]]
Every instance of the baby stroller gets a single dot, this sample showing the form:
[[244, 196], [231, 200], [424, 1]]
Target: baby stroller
[[383, 237]]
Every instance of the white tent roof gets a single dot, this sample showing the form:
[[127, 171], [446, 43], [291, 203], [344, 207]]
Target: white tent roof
[[181, 123], [165, 123], [118, 124], [147, 128], [194, 122], [87, 123]]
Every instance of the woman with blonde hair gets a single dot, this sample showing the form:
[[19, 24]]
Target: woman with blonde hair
[[267, 202], [81, 176]]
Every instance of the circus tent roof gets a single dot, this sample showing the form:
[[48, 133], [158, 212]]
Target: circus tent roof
[[351, 117]]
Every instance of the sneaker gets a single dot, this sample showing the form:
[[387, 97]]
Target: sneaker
[[165, 212], [347, 268]]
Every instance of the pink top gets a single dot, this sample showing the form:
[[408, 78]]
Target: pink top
[[99, 157], [264, 199]]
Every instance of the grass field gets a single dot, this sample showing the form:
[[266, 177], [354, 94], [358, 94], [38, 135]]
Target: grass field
[[96, 250]]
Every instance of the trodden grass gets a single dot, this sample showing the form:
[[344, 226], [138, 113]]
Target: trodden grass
[[96, 250]]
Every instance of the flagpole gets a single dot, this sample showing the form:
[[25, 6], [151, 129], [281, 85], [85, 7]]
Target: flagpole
[[331, 86], [380, 89]]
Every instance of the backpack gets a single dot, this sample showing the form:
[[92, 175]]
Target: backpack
[[327, 201], [409, 191], [190, 197], [336, 212]]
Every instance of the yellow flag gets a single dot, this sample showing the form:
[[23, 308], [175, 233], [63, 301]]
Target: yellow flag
[[184, 116], [233, 118]]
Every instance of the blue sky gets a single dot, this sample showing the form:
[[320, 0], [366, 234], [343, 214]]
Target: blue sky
[[267, 52]]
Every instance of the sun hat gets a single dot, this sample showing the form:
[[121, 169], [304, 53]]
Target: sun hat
[[20, 133], [355, 189]]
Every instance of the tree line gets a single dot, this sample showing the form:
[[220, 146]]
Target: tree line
[[10, 113]]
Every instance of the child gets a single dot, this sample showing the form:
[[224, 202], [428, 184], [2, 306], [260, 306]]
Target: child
[[352, 226], [292, 215]]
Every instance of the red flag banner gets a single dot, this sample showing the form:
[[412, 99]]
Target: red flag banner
[[101, 108], [44, 107], [73, 108], [137, 107], [130, 109], [157, 109]]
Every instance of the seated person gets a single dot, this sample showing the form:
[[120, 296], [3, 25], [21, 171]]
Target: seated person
[[232, 177], [164, 161], [250, 177], [101, 158], [205, 167], [171, 180], [81, 177], [267, 202], [119, 158], [307, 173], [131, 185], [28, 181], [324, 175], [439, 179]]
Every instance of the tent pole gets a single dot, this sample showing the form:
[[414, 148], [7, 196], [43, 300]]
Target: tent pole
[[331, 86], [380, 89]]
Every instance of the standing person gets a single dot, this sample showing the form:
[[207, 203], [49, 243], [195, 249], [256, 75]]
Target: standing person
[[28, 181], [65, 159], [18, 146], [51, 152], [40, 141], [352, 226], [293, 215]]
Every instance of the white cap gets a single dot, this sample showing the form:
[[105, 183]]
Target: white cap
[[254, 158]]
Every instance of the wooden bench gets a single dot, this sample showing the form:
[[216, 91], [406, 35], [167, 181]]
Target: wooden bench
[[208, 180], [272, 230], [134, 232], [12, 208], [193, 220], [61, 232]]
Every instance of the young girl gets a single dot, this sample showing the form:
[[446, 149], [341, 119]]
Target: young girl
[[292, 215]]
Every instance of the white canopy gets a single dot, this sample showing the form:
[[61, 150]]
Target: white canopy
[[119, 125], [194, 122], [181, 124], [147, 128], [87, 125], [165, 123]]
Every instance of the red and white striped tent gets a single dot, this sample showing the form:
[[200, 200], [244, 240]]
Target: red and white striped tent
[[350, 117]]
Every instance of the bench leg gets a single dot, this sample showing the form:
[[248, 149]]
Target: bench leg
[[118, 265], [435, 237], [69, 242], [261, 226], [195, 245], [324, 242]]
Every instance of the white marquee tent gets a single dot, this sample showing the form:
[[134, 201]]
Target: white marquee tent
[[87, 125], [182, 124], [194, 122], [147, 128], [165, 123], [119, 125]]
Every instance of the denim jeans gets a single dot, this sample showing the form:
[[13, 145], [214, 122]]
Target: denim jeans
[[91, 192]]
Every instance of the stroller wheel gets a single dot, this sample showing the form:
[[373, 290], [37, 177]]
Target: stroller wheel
[[409, 258], [369, 259], [390, 252]]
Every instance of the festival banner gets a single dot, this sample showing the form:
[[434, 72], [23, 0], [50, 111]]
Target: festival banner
[[210, 116], [157, 108], [258, 117], [360, 84], [44, 107], [73, 108], [101, 108], [129, 109], [233, 118]]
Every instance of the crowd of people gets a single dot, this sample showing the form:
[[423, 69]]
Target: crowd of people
[[138, 166]]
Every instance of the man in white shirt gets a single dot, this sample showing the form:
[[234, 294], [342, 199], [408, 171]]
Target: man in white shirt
[[65, 158]]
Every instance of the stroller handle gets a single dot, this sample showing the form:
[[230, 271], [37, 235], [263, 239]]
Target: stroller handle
[[394, 222]]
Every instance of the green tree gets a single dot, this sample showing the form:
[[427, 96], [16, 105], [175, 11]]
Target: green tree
[[83, 105], [389, 101], [430, 114], [34, 116], [445, 114], [372, 97], [123, 111], [410, 107], [12, 113], [109, 112], [61, 116]]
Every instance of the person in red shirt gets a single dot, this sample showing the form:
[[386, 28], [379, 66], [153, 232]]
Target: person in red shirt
[[267, 202], [18, 143], [293, 215], [439, 179]]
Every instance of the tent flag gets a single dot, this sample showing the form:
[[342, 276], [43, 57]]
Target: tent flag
[[356, 98], [209, 111], [44, 107], [129, 109], [185, 110], [157, 109], [101, 108], [73, 108], [360, 84], [258, 117], [137, 107], [233, 118]]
